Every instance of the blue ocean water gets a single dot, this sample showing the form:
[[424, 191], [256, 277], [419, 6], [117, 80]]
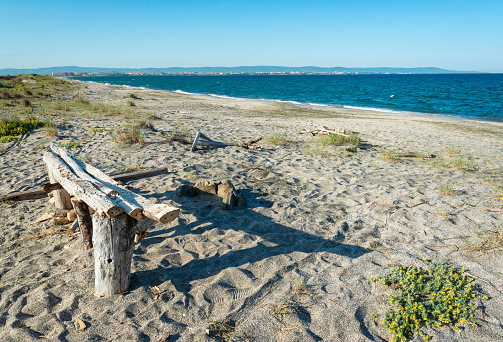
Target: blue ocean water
[[469, 96]]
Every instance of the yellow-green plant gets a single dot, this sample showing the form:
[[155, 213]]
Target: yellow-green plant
[[15, 126], [70, 145], [439, 296], [337, 139]]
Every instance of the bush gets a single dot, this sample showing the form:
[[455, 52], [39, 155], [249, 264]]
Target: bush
[[15, 126], [435, 297]]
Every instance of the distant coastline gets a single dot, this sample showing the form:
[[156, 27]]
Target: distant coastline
[[242, 70]]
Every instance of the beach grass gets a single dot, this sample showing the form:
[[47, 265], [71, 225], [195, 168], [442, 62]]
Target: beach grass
[[278, 139], [129, 134], [337, 140]]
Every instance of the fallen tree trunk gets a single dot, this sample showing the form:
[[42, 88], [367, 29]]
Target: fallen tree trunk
[[82, 189]]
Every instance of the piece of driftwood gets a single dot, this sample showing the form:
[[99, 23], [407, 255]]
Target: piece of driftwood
[[80, 188], [85, 222], [47, 188], [245, 145], [125, 176], [415, 155], [60, 197], [185, 140], [113, 240], [194, 144], [141, 231], [324, 131], [77, 169], [248, 144]]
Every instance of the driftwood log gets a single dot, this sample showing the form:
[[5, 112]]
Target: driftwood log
[[113, 240], [77, 169], [415, 155], [48, 188], [80, 188], [210, 143]]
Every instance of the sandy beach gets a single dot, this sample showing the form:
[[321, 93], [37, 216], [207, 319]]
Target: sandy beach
[[316, 217]]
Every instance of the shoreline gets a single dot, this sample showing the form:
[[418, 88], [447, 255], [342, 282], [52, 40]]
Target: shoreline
[[307, 103], [315, 214]]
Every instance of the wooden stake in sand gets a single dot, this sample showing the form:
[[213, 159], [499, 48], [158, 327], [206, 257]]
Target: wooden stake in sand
[[113, 241]]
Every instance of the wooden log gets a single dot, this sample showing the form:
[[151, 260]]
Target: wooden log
[[26, 195], [415, 155], [77, 169], [194, 144], [113, 240], [139, 174], [159, 212], [85, 222], [48, 188], [96, 173], [61, 197], [80, 188]]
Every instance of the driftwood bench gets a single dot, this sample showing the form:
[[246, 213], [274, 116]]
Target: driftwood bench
[[119, 214]]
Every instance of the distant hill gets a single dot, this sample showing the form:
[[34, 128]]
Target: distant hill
[[239, 69]]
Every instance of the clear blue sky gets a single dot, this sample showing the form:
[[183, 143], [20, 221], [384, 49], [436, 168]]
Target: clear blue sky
[[457, 35]]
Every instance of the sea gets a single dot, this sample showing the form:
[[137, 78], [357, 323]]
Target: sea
[[467, 96]]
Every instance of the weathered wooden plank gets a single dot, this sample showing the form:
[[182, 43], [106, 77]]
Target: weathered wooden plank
[[113, 240], [80, 188], [77, 169]]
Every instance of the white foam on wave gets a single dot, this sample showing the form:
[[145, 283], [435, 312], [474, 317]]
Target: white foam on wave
[[183, 92], [297, 103]]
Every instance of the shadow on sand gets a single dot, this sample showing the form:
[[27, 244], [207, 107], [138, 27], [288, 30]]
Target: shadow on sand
[[277, 239]]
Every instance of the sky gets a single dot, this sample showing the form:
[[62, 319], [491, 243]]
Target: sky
[[455, 35]]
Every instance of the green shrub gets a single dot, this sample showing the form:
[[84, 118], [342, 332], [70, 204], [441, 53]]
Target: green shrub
[[431, 298], [15, 126]]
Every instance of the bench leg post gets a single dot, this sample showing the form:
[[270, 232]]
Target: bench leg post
[[113, 240]]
